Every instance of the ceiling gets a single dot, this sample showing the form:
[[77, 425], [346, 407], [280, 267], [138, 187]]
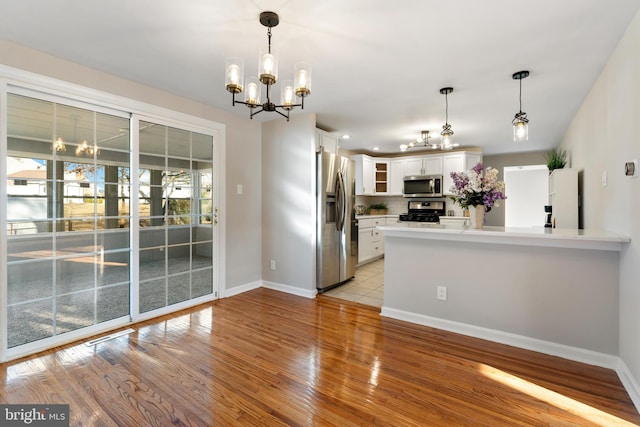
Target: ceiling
[[377, 66]]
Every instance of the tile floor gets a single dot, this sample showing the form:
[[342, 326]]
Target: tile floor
[[366, 287]]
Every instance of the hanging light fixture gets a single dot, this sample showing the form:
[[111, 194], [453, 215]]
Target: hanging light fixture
[[424, 141], [268, 75], [520, 121], [446, 142]]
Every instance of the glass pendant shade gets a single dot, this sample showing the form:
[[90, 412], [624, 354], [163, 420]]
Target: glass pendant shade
[[520, 131], [302, 79], [446, 137], [252, 94], [234, 75], [287, 96], [268, 67]]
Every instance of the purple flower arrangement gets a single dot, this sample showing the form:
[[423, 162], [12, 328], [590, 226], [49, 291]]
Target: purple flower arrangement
[[479, 187]]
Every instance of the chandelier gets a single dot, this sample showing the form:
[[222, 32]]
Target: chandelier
[[424, 141], [300, 87], [520, 121]]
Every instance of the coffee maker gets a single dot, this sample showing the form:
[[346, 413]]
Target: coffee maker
[[547, 216]]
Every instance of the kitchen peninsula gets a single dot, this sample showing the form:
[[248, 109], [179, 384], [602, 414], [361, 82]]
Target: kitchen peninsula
[[550, 290]]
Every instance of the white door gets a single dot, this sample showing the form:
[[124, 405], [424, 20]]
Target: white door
[[527, 191]]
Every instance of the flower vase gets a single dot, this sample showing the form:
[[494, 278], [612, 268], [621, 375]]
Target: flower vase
[[476, 215]]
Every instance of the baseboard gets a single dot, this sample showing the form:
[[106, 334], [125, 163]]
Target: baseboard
[[554, 349], [629, 382], [236, 290], [290, 289]]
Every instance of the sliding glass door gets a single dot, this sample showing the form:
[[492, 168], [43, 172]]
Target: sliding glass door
[[81, 252]]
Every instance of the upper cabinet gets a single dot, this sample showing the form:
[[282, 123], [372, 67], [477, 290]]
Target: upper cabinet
[[396, 176], [383, 176], [364, 175], [461, 161], [327, 141], [372, 175]]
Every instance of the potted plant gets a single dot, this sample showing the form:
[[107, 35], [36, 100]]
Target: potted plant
[[556, 158], [378, 209]]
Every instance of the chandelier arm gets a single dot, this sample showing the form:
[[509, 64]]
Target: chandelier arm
[[286, 116], [253, 113]]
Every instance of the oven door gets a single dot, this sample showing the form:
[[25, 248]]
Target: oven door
[[422, 186]]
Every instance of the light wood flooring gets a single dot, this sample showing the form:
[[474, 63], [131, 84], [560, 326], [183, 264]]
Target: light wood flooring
[[266, 358]]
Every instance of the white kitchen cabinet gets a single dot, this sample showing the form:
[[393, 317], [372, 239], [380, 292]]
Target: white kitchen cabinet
[[432, 165], [457, 162], [372, 175], [424, 165], [370, 239], [396, 176], [364, 175], [327, 141], [563, 198], [381, 176], [413, 166]]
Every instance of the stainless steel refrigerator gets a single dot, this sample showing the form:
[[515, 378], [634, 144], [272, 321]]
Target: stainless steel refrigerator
[[337, 232]]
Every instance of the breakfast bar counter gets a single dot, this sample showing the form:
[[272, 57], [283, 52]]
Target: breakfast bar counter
[[550, 290]]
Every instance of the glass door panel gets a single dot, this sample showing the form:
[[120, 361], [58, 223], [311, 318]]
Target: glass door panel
[[66, 269], [175, 195]]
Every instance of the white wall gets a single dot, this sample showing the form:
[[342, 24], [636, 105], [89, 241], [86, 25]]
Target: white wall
[[288, 204], [243, 218], [601, 137]]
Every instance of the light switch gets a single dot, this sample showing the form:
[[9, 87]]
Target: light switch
[[604, 178], [239, 189]]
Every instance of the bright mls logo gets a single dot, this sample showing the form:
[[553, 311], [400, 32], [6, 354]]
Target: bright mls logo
[[34, 415]]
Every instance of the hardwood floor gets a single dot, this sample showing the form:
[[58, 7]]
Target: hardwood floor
[[268, 358]]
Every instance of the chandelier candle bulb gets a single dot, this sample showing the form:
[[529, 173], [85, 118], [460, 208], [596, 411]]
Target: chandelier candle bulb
[[252, 97], [268, 68], [235, 75], [287, 95], [302, 79]]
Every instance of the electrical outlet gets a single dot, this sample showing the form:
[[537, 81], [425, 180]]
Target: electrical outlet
[[273, 264], [239, 189], [442, 293]]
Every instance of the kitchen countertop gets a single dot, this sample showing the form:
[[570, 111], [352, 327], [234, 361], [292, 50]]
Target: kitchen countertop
[[377, 216], [534, 236]]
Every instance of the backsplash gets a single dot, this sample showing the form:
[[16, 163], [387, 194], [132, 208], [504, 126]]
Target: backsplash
[[398, 204]]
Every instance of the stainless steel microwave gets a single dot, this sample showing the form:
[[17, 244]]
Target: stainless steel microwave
[[422, 186]]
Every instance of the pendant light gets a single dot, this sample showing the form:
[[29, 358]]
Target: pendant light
[[520, 121], [446, 142], [268, 75]]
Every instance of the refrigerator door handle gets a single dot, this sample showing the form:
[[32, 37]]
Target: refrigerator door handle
[[340, 202]]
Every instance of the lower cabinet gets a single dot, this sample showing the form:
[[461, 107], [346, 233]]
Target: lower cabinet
[[370, 239]]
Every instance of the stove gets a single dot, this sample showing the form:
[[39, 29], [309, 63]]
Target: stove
[[421, 211]]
